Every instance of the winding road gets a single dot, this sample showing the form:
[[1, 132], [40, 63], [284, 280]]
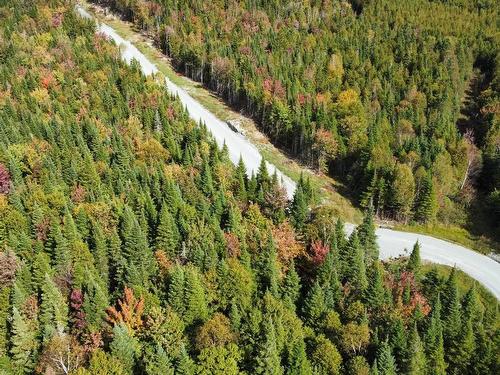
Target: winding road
[[392, 243]]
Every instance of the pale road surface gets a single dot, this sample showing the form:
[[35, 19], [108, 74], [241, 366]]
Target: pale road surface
[[392, 243]]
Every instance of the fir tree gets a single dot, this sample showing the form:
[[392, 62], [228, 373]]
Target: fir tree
[[24, 344], [353, 264], [416, 361], [414, 263], [167, 233], [298, 364], [196, 303], [386, 364], [434, 346], [291, 287], [426, 203], [299, 210], [314, 305], [125, 347], [267, 360], [54, 310], [368, 238]]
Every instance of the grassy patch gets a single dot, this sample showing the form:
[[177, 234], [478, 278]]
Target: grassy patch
[[454, 234]]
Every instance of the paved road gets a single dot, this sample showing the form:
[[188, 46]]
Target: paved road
[[392, 243]]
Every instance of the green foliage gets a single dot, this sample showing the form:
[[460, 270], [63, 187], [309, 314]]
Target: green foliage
[[111, 187]]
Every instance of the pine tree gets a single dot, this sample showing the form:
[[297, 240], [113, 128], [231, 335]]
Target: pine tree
[[414, 263], [416, 361], [299, 210], [24, 344], [291, 287], [167, 233], [267, 360], [386, 364], [452, 322], [426, 202], [314, 305], [196, 302], [263, 179], [368, 238], [125, 347], [353, 265], [434, 346], [298, 364], [54, 310]]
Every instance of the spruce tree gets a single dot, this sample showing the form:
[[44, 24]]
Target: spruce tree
[[167, 233], [269, 268], [299, 210], [291, 287], [24, 344], [434, 345], [415, 361], [386, 364], [297, 363], [368, 238], [267, 360], [414, 263]]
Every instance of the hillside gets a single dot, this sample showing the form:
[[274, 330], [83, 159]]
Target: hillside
[[131, 244], [371, 95]]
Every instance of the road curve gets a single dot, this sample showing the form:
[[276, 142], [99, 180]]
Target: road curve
[[392, 243]]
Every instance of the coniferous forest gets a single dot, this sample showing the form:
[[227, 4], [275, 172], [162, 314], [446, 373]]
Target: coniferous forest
[[370, 91], [130, 244]]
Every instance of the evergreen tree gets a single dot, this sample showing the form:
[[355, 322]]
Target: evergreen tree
[[426, 202], [291, 287], [416, 362], [376, 292], [314, 305], [125, 347], [195, 299], [53, 310], [167, 233], [353, 265], [269, 268], [368, 238], [434, 345], [185, 365], [386, 364], [176, 290], [299, 210], [298, 364], [267, 360], [24, 344], [157, 361], [414, 263]]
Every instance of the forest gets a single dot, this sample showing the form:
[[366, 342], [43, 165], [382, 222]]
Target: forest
[[370, 91], [129, 244]]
